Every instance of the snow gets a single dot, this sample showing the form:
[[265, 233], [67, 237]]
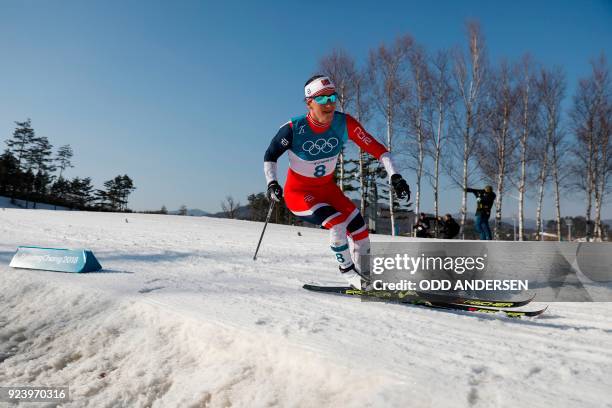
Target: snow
[[5, 202], [181, 316]]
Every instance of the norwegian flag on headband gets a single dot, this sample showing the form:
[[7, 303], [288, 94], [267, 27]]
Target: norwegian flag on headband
[[317, 86]]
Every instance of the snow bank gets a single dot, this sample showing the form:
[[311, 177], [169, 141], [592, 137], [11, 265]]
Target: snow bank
[[182, 317], [133, 353]]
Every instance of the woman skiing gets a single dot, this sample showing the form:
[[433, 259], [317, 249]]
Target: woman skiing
[[314, 142]]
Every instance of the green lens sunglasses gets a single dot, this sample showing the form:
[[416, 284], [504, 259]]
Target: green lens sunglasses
[[324, 99]]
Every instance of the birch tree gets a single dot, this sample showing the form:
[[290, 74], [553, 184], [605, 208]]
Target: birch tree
[[603, 156], [558, 151], [469, 78], [340, 67], [495, 151], [525, 126], [230, 207], [416, 100], [588, 105], [604, 166], [441, 99], [386, 72], [551, 91]]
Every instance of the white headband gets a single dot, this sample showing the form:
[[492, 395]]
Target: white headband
[[318, 86]]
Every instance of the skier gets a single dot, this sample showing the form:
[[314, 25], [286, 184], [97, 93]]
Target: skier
[[314, 142], [485, 199]]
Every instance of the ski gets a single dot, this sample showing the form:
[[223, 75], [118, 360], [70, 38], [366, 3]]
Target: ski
[[480, 309], [409, 295], [417, 298]]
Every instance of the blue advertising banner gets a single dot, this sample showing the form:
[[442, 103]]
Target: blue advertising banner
[[55, 259]]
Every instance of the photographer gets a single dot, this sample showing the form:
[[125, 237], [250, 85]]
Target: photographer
[[422, 226], [485, 199]]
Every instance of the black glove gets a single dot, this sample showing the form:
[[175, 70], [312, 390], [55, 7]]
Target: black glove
[[275, 191], [400, 187]]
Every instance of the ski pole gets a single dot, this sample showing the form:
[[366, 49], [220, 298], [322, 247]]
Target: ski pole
[[264, 228]]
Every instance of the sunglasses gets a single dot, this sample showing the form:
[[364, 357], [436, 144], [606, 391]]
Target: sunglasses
[[324, 99]]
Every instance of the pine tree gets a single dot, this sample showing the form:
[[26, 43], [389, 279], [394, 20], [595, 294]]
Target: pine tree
[[115, 195], [39, 160], [258, 205], [39, 155], [112, 194], [21, 143], [126, 187], [59, 190], [351, 175], [9, 173], [63, 157], [23, 138], [103, 201], [26, 185], [41, 182], [81, 192]]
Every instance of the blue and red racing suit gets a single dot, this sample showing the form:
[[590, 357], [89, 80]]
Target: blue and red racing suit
[[310, 190]]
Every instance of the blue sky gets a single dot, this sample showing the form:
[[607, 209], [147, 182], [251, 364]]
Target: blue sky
[[185, 96]]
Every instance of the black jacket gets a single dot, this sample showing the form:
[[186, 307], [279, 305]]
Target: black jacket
[[450, 228], [423, 226], [485, 201]]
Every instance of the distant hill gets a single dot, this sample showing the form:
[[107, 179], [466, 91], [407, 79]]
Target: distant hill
[[194, 212], [243, 213], [529, 223]]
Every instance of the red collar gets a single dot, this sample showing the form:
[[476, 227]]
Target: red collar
[[317, 126]]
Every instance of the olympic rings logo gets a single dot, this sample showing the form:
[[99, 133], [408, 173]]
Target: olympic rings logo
[[320, 146]]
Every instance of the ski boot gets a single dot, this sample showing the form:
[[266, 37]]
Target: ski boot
[[354, 278]]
